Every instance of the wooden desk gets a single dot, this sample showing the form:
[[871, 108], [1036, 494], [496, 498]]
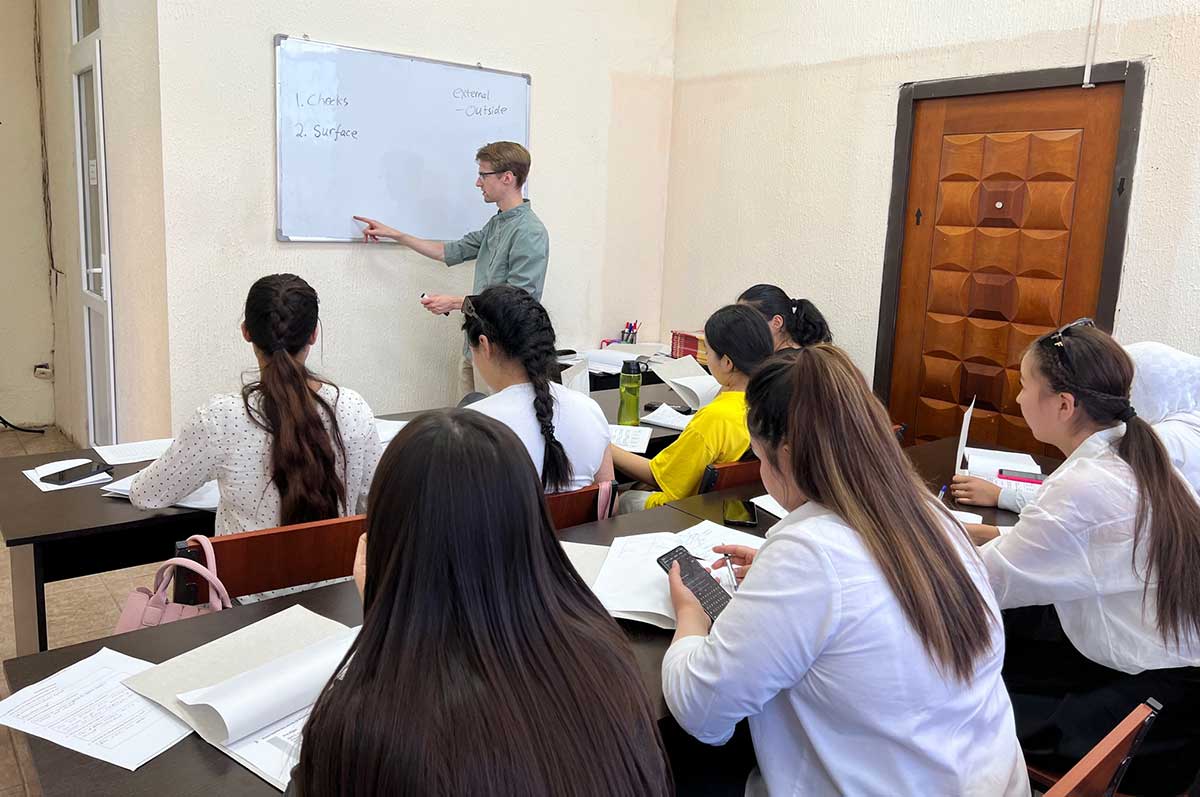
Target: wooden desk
[[193, 767], [707, 506], [76, 532]]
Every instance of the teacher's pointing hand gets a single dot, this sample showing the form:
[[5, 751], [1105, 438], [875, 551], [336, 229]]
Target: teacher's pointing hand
[[377, 229]]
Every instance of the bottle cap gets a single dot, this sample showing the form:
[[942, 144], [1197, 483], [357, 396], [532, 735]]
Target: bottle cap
[[631, 367]]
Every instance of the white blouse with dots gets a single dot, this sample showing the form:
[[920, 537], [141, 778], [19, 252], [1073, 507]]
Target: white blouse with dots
[[221, 442]]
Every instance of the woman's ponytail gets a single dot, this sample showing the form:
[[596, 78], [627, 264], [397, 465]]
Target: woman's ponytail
[[281, 314]]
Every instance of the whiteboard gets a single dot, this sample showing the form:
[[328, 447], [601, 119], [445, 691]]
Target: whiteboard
[[393, 137]]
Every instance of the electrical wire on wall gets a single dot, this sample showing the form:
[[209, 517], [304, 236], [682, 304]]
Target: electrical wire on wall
[[47, 214]]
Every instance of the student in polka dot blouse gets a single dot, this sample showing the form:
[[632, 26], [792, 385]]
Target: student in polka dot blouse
[[291, 447]]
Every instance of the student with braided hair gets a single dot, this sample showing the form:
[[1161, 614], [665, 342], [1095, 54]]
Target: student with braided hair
[[1104, 568], [291, 447], [512, 345]]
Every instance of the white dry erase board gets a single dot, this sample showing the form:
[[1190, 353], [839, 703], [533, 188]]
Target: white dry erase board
[[390, 136]]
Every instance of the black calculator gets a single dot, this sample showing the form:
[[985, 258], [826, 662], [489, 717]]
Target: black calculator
[[712, 596]]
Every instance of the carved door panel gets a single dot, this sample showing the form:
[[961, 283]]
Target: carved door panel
[[1007, 210]]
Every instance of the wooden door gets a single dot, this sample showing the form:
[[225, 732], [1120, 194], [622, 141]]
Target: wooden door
[[1008, 199]]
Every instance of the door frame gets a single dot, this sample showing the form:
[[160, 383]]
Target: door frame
[[1131, 73]]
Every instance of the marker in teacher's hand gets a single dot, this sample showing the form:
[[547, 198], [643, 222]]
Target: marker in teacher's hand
[[423, 296]]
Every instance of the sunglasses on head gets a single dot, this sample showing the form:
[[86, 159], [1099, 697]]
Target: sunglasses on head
[[468, 306], [1057, 341]]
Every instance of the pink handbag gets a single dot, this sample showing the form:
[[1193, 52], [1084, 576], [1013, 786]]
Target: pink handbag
[[144, 608]]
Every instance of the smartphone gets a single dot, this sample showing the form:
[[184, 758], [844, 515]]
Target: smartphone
[[682, 409], [712, 596], [739, 513], [78, 473], [1021, 475]]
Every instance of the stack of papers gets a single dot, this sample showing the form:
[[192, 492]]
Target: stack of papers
[[249, 693], [86, 708], [127, 453], [388, 429], [685, 376], [630, 438], [606, 361], [987, 465], [206, 498], [633, 586], [35, 475], [668, 418], [576, 377]]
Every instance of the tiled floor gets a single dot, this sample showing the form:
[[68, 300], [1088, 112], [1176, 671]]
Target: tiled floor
[[76, 610]]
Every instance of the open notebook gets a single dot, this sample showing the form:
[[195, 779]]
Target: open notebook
[[250, 692], [630, 583]]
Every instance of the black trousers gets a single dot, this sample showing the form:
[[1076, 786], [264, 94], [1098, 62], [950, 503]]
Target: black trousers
[[1065, 703]]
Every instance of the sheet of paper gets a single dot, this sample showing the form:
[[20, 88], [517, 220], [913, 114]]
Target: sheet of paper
[[631, 438], [577, 378], [587, 559], [388, 429], [962, 439], [86, 708], [769, 504], [668, 418], [983, 459], [631, 583], [141, 451], [678, 368], [273, 751], [249, 701], [967, 517], [609, 357], [49, 468], [640, 349], [207, 497], [696, 391]]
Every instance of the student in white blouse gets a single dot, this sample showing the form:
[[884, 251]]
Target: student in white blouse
[[864, 644], [1109, 552], [1166, 392], [512, 346], [290, 448]]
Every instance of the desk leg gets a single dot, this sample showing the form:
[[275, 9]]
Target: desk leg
[[29, 600]]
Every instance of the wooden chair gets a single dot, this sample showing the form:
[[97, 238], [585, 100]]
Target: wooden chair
[[287, 556], [729, 474], [1099, 773], [581, 506]]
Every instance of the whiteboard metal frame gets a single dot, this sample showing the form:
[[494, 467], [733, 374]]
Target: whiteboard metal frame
[[278, 41]]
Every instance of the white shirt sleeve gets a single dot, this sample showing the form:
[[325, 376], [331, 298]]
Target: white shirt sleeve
[[1012, 500], [1044, 558], [182, 469], [763, 643]]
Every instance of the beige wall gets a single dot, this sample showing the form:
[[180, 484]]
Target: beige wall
[[601, 115], [784, 125], [129, 67], [26, 331]]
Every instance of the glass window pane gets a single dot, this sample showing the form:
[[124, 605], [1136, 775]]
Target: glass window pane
[[87, 16], [100, 374], [90, 180]]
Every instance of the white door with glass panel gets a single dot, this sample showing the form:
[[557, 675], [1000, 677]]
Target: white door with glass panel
[[93, 242]]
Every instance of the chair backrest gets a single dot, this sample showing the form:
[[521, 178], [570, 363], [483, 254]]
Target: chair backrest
[[730, 474], [287, 556], [1099, 773], [588, 504]]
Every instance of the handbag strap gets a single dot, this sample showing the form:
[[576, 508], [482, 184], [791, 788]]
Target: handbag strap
[[210, 559], [165, 574]]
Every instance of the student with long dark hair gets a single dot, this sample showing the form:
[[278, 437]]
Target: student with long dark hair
[[292, 447], [793, 322], [738, 342], [864, 645], [484, 665], [1109, 553], [512, 346]]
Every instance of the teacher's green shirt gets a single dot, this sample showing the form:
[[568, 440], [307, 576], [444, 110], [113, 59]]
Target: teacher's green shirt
[[511, 249]]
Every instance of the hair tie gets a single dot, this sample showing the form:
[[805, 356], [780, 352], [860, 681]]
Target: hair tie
[[1127, 414]]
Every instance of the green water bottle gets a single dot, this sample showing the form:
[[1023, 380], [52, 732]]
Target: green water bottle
[[630, 388]]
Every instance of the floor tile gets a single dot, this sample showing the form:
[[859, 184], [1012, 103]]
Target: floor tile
[[83, 611], [10, 770], [10, 444], [13, 791], [33, 788]]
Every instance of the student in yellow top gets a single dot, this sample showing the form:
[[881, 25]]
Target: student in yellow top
[[739, 340]]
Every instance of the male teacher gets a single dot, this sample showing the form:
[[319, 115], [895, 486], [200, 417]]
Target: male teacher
[[511, 249]]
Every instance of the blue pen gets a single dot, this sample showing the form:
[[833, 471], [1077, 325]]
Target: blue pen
[[942, 493]]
